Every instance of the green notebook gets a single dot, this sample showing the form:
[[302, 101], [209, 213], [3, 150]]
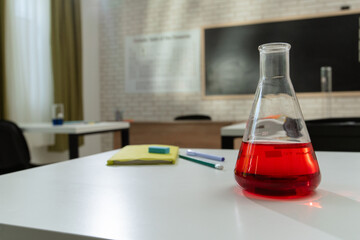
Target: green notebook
[[139, 154]]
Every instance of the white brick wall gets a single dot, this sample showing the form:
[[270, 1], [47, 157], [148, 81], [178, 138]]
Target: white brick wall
[[121, 18]]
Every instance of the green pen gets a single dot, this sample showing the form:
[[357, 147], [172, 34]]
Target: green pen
[[216, 165]]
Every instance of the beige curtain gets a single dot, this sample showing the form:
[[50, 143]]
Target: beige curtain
[[67, 62], [2, 60]]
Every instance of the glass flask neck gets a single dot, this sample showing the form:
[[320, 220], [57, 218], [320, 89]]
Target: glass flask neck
[[274, 61], [275, 116]]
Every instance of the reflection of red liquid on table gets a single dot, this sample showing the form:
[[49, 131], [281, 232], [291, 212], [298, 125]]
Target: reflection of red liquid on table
[[277, 169]]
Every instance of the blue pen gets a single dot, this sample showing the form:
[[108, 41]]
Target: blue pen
[[190, 152]]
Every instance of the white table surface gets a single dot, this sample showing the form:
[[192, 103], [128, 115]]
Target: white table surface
[[84, 198], [237, 129], [73, 128]]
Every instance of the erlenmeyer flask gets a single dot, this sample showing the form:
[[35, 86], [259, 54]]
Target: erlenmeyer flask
[[276, 156]]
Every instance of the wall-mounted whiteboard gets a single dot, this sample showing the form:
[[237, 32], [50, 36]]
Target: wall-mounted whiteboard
[[166, 62]]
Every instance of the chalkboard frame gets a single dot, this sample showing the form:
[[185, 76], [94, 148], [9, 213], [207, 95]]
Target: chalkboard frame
[[274, 20]]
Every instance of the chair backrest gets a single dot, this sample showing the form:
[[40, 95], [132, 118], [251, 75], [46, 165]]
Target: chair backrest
[[193, 117], [14, 152], [335, 134]]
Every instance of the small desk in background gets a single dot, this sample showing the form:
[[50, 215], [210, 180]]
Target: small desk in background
[[185, 134], [74, 131], [329, 134], [229, 133]]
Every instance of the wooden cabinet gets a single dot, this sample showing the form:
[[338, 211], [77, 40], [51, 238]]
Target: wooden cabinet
[[185, 134]]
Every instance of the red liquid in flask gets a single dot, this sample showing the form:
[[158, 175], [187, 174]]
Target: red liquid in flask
[[277, 169]]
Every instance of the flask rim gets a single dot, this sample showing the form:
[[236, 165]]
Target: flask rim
[[274, 47]]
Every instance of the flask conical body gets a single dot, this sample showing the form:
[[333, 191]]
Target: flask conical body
[[276, 156]]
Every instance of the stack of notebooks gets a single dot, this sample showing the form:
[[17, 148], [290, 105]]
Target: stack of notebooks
[[139, 154]]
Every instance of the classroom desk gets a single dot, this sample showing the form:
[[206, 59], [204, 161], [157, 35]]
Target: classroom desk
[[85, 199], [229, 133], [76, 130]]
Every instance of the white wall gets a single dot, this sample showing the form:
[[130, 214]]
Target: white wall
[[91, 86], [121, 18]]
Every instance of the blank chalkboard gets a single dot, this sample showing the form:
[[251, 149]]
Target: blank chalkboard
[[231, 57]]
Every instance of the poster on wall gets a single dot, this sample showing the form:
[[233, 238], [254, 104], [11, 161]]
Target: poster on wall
[[160, 63]]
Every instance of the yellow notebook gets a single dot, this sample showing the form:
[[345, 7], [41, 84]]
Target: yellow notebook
[[139, 154]]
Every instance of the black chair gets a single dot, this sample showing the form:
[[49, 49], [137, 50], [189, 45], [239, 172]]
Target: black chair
[[14, 151], [193, 117], [335, 134]]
